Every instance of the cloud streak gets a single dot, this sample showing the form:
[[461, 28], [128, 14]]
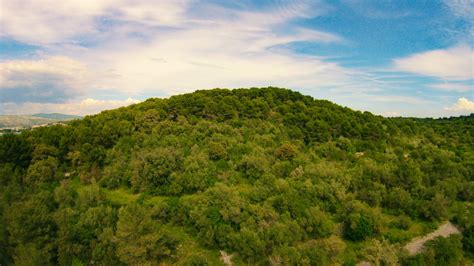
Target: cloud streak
[[170, 51], [49, 21], [455, 63], [457, 87], [138, 48], [463, 10], [52, 79], [84, 107]]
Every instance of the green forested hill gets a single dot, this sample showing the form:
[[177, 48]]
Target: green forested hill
[[268, 176]]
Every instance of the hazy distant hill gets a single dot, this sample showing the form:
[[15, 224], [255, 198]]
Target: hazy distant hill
[[15, 121], [56, 116]]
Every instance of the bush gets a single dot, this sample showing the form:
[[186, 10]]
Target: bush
[[468, 240], [361, 222]]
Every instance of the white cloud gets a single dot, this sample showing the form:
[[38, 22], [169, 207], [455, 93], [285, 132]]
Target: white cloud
[[154, 13], [462, 17], [462, 105], [453, 87], [135, 54], [378, 9], [138, 48], [222, 47], [230, 50], [48, 21], [455, 63], [210, 57], [52, 21], [390, 114], [461, 8], [234, 49], [85, 107], [50, 79]]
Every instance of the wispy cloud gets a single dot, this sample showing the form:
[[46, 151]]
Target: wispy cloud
[[52, 79], [84, 107], [140, 48], [463, 10], [227, 54], [236, 43], [455, 63], [458, 87], [378, 9], [50, 21], [390, 114]]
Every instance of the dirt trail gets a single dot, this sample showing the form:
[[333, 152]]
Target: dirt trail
[[444, 230], [226, 258]]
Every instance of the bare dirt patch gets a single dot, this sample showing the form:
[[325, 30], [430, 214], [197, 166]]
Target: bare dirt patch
[[416, 245], [226, 258]]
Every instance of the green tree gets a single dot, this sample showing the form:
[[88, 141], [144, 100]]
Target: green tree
[[28, 254], [153, 167], [139, 239], [42, 171], [31, 227], [468, 240], [360, 222], [380, 253], [253, 166], [447, 251], [317, 223], [286, 152]]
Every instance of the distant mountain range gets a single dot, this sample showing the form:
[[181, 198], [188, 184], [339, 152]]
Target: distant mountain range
[[27, 121]]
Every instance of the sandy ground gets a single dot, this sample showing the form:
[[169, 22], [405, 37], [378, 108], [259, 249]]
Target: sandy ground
[[417, 244]]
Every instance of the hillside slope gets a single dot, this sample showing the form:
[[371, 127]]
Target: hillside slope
[[267, 176]]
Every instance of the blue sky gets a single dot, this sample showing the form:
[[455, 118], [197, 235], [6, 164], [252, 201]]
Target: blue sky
[[408, 58]]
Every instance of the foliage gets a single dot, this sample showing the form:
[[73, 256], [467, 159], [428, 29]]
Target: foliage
[[267, 175], [440, 251]]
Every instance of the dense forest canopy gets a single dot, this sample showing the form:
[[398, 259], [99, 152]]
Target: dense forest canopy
[[267, 176]]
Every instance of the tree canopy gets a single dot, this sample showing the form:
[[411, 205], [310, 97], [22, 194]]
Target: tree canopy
[[267, 175]]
